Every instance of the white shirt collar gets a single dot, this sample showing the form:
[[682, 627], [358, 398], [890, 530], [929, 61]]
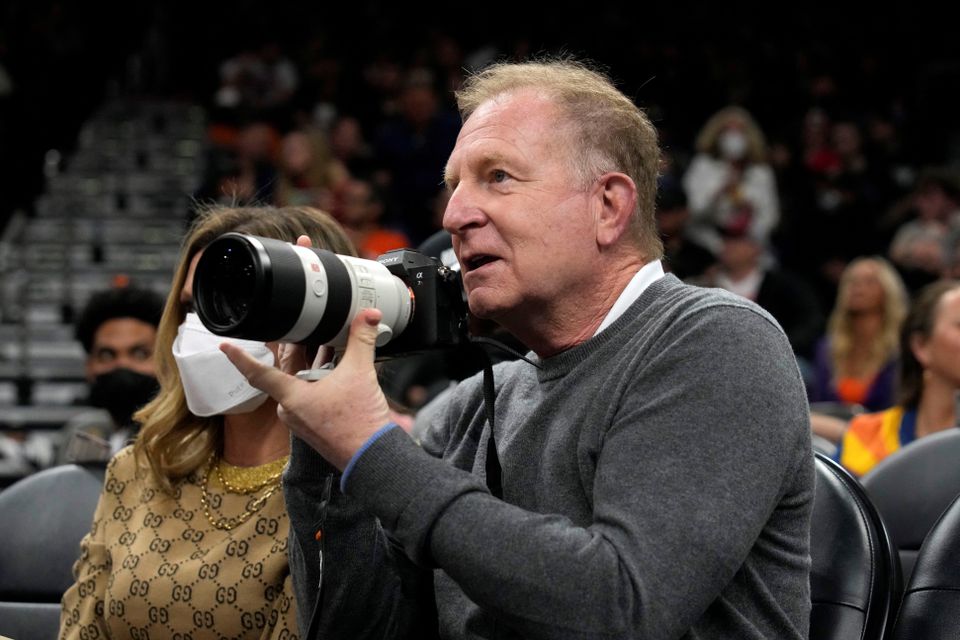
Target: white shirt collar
[[647, 275]]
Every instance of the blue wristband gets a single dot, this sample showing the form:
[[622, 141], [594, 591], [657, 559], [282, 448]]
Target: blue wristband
[[356, 456]]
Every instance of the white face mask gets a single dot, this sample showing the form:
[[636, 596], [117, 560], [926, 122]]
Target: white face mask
[[733, 144], [212, 384]]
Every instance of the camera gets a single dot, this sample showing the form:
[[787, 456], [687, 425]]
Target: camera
[[263, 289]]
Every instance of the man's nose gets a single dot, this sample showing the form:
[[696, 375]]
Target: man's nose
[[463, 211]]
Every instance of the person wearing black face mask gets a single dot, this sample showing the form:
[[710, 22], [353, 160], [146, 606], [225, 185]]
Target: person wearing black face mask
[[117, 328]]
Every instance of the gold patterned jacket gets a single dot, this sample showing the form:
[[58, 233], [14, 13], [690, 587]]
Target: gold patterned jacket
[[154, 566]]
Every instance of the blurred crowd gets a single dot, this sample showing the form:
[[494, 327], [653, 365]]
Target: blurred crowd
[[800, 170]]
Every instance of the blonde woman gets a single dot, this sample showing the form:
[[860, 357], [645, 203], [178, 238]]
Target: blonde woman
[[190, 535], [729, 183], [856, 361], [929, 381]]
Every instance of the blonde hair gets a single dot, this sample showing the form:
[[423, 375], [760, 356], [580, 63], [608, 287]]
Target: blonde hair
[[709, 135], [840, 326], [606, 131], [173, 442], [324, 171]]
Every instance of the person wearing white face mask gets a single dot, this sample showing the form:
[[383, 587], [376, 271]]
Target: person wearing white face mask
[[729, 183], [211, 384], [191, 532]]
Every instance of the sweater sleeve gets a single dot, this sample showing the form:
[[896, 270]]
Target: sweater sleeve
[[717, 416], [349, 581], [82, 606]]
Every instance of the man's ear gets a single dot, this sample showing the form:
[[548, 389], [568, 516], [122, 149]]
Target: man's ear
[[616, 200]]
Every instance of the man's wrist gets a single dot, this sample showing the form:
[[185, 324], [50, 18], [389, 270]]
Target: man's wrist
[[366, 445]]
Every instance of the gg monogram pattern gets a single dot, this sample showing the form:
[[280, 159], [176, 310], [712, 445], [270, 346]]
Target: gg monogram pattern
[[153, 567]]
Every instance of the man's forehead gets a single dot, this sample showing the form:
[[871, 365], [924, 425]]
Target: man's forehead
[[507, 123], [517, 109], [124, 329]]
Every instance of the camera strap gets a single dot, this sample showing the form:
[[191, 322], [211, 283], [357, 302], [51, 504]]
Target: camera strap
[[494, 471]]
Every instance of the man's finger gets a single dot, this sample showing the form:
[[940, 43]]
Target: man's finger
[[274, 382], [292, 357], [361, 345]]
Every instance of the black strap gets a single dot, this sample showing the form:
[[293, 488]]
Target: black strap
[[312, 631], [494, 471], [493, 468]]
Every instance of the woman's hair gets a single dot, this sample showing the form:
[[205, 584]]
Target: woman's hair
[[707, 139], [172, 441], [840, 325], [919, 323]]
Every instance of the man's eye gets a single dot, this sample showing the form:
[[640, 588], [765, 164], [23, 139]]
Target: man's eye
[[499, 175], [140, 354], [105, 355]]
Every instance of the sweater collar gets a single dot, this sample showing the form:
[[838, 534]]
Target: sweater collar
[[560, 364]]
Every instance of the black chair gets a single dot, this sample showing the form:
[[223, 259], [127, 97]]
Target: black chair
[[44, 517], [912, 487], [930, 609], [842, 410], [855, 574]]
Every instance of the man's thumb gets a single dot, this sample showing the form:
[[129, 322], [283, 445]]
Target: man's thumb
[[362, 343]]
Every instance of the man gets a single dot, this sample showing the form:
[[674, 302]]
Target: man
[[792, 302], [117, 328], [655, 465]]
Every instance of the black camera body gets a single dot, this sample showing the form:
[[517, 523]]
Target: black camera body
[[439, 319], [263, 289]]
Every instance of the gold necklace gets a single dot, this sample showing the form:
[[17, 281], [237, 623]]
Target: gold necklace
[[246, 480], [228, 524]]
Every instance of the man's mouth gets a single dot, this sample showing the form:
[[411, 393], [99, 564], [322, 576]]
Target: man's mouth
[[475, 262]]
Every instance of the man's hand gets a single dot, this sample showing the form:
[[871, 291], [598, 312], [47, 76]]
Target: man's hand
[[337, 414]]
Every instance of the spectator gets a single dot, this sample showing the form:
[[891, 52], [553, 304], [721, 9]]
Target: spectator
[[599, 504], [348, 145], [257, 83], [856, 360], [920, 247], [929, 382], [413, 147], [729, 182], [118, 329], [789, 299], [359, 209], [307, 173], [190, 535], [682, 256]]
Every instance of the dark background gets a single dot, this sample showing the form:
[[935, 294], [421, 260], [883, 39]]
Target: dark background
[[680, 62]]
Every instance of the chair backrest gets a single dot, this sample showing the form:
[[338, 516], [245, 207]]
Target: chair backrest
[[912, 487], [836, 409], [823, 445], [931, 603], [855, 574], [44, 517]]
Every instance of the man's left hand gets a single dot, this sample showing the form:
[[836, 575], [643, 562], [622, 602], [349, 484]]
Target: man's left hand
[[335, 415]]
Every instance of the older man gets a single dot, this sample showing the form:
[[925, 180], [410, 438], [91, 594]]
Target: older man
[[649, 476]]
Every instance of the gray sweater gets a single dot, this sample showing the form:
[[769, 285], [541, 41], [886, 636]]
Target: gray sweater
[[657, 478]]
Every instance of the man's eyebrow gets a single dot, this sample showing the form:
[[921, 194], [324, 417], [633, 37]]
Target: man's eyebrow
[[482, 164], [448, 177]]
